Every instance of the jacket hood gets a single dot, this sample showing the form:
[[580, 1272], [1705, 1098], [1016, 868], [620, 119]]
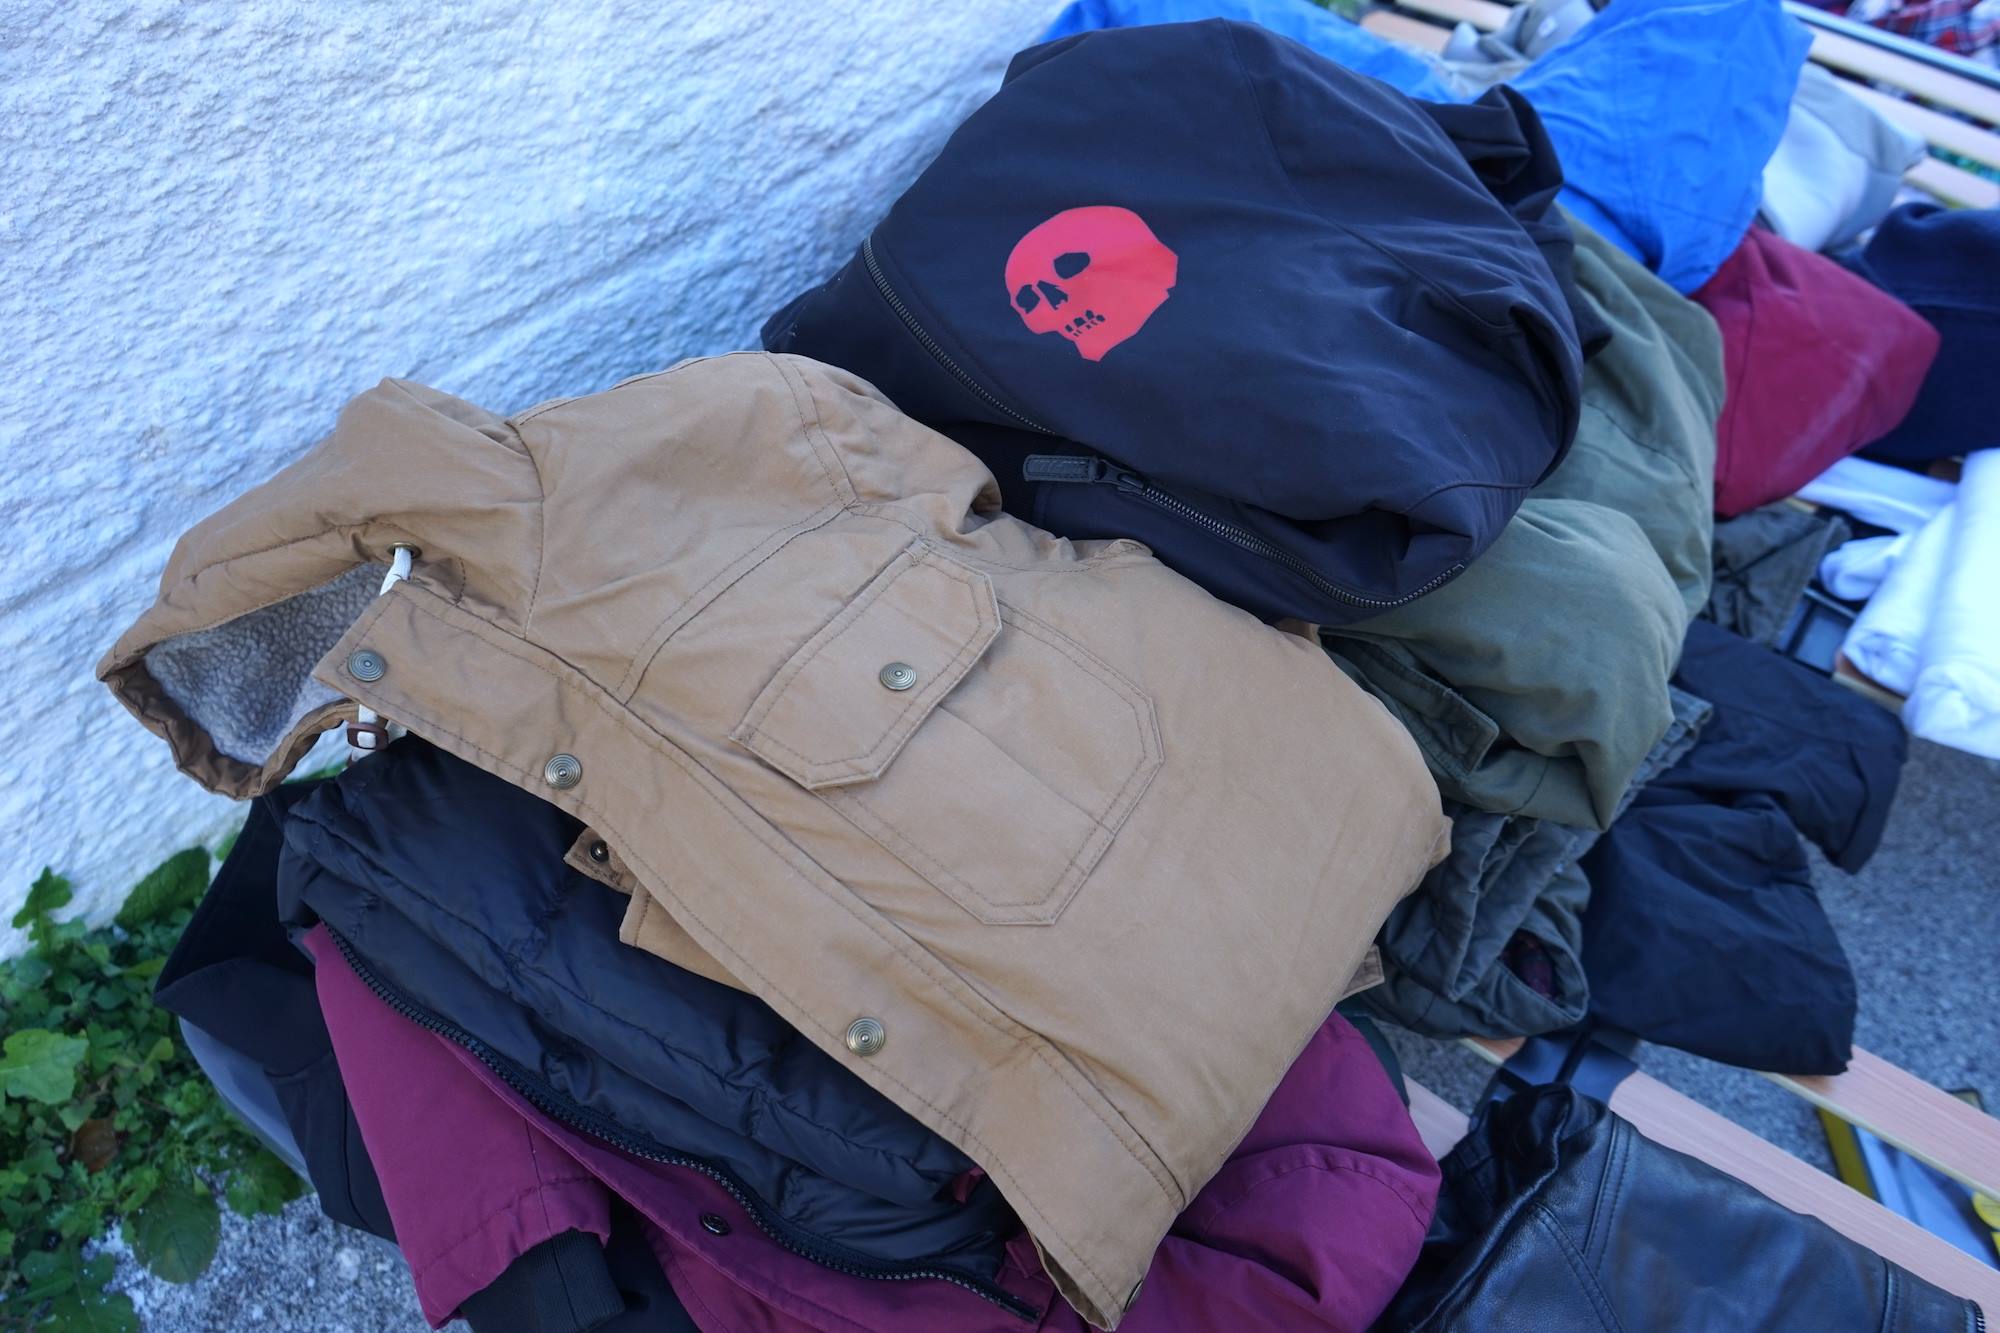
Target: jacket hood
[[1313, 310]]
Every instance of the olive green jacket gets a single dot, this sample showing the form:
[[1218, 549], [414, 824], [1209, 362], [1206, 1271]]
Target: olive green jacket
[[1536, 682]]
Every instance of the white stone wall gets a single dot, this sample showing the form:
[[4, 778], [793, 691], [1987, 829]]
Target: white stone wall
[[218, 221]]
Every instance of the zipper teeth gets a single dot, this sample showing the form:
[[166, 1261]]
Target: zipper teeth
[[1250, 541], [931, 345], [553, 1108]]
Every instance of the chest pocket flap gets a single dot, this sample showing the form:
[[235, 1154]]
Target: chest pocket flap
[[847, 702], [993, 755]]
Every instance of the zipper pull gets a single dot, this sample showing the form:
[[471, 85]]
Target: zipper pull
[[1080, 468]]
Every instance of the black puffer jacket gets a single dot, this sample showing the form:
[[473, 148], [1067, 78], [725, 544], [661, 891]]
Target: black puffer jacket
[[1307, 338], [448, 891]]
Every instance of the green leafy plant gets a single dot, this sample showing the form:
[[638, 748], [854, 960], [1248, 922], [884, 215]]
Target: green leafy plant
[[104, 1115]]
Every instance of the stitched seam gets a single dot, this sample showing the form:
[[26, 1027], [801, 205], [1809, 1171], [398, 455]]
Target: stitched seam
[[949, 985], [703, 597], [1540, 1213], [811, 426], [1121, 548], [240, 612], [1035, 911], [1604, 1183], [685, 1293], [542, 513], [1624, 1171], [843, 620], [554, 403], [507, 1208], [1145, 720], [542, 1195], [912, 713], [1337, 1166], [871, 819]]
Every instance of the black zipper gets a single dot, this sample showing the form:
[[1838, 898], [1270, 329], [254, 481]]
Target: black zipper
[[930, 344], [568, 1113], [1091, 470], [1130, 482]]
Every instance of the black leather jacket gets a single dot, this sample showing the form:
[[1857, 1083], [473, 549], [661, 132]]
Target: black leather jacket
[[1558, 1215]]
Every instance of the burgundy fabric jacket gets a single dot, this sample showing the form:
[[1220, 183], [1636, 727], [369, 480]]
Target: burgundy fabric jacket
[[1818, 363], [1313, 1223]]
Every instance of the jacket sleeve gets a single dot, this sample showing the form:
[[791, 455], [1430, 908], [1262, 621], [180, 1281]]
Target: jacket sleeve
[[469, 1184], [1313, 1223]]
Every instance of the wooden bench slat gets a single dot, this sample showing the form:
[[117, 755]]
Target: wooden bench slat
[[1406, 31], [1481, 14], [1674, 1120], [1900, 1108], [1938, 129], [1933, 85], [1889, 1102], [1439, 1124], [1954, 185], [1677, 1121]]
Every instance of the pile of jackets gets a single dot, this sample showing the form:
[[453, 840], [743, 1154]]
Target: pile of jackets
[[871, 832]]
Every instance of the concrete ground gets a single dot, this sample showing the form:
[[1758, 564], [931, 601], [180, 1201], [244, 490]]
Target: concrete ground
[[1921, 925]]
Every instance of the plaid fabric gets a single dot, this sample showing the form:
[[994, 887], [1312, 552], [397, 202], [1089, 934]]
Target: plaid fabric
[[1968, 28]]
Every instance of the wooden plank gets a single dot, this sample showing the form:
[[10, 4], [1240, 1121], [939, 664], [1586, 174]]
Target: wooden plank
[[1676, 1121], [1667, 1117], [1890, 1103], [1939, 130], [1895, 1105], [1850, 675], [1844, 53], [1440, 1124], [1954, 185], [1406, 31], [1481, 14]]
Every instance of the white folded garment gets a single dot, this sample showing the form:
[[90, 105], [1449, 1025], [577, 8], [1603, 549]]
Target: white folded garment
[[1852, 571], [1886, 642], [1956, 697], [1888, 497], [1837, 169]]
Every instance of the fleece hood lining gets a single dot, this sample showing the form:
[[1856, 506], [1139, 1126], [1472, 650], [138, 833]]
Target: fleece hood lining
[[249, 681]]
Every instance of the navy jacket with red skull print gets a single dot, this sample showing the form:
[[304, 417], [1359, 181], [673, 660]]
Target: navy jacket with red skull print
[[1306, 337]]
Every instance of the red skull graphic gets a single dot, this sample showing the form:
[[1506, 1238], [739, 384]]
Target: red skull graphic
[[1094, 275]]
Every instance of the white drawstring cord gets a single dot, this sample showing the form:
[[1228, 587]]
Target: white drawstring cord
[[364, 733]]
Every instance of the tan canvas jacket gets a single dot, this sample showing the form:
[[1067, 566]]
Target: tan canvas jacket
[[1061, 854]]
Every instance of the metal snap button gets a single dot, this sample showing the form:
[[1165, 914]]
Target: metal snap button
[[865, 1036], [599, 852], [563, 770], [898, 676], [365, 664], [715, 1224]]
